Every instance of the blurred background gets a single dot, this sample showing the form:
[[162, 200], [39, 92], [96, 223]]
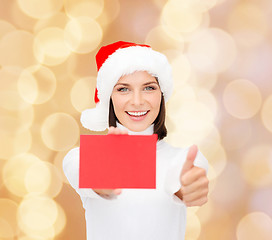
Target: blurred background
[[221, 54]]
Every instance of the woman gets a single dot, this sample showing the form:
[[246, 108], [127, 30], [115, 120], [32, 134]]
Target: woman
[[133, 84]]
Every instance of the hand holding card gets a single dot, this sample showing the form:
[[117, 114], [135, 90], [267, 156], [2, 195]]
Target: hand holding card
[[117, 161]]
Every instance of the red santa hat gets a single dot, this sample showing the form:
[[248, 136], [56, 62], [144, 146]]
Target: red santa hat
[[116, 60]]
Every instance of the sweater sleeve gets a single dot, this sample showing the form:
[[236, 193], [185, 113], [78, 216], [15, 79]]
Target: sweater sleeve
[[71, 171], [172, 181]]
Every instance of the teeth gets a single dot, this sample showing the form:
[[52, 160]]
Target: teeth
[[137, 113]]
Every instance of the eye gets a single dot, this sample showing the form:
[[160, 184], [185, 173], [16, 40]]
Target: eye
[[122, 89], [149, 88]]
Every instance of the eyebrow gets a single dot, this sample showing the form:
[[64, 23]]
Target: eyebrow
[[126, 84]]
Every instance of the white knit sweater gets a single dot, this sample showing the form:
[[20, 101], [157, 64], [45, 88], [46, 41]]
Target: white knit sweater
[[137, 214]]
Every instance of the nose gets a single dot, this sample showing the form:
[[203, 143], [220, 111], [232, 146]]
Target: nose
[[137, 98]]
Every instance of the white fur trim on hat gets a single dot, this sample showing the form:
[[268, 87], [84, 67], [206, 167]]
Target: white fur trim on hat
[[95, 119], [125, 61]]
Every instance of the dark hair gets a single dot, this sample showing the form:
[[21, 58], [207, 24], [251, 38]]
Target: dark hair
[[159, 123]]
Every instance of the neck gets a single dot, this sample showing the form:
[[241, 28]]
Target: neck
[[148, 131]]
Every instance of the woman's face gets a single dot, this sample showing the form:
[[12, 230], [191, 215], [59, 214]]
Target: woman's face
[[136, 100]]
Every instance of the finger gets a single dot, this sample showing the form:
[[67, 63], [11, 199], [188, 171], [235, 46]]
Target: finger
[[198, 202], [117, 191], [124, 131], [100, 191], [196, 195], [114, 130], [108, 193], [120, 131], [201, 183], [111, 130], [189, 162], [117, 131], [104, 191], [192, 175]]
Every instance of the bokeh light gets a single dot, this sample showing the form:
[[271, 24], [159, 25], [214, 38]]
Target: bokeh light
[[191, 117], [211, 146], [5, 27], [242, 99], [267, 113], [256, 165], [181, 68], [9, 98], [6, 231], [193, 227], [49, 225], [83, 34], [261, 201], [8, 226], [16, 16], [205, 212], [14, 144], [58, 164], [43, 178], [180, 35], [212, 50], [37, 215], [252, 28], [161, 41], [231, 126], [40, 9], [217, 156], [16, 122], [248, 61], [197, 5], [37, 84], [109, 14], [81, 93], [21, 43], [255, 225], [60, 222], [203, 80], [206, 97], [179, 19], [49, 46], [87, 8], [56, 182], [15, 170], [60, 131], [37, 178], [224, 195], [58, 20]]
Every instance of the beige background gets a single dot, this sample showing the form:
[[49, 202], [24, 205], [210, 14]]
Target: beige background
[[221, 54]]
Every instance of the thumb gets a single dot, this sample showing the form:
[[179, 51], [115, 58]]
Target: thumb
[[189, 162]]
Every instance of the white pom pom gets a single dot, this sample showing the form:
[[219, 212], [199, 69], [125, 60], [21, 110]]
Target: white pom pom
[[95, 119]]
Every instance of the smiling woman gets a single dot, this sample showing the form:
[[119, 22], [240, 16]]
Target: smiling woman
[[133, 84]]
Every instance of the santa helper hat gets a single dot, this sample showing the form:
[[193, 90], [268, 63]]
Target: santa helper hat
[[116, 60]]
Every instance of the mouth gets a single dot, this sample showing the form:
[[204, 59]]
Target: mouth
[[137, 113]]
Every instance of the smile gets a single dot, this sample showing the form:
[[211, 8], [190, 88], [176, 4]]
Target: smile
[[137, 114]]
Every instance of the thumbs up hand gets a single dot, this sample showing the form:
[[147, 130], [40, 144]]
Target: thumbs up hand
[[194, 182]]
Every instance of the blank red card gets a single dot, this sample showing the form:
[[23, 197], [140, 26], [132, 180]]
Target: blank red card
[[117, 161]]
